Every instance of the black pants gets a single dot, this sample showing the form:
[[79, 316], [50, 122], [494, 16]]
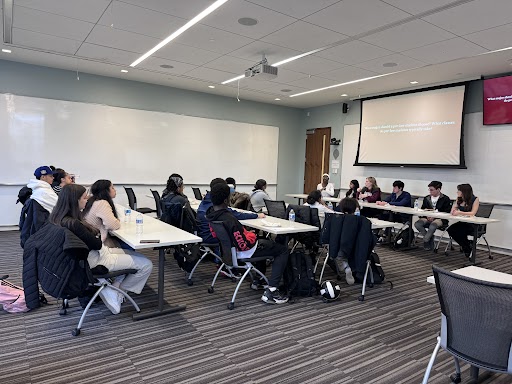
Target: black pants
[[459, 232], [280, 254], [394, 217]]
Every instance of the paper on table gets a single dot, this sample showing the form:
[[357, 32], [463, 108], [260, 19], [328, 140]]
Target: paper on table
[[269, 224]]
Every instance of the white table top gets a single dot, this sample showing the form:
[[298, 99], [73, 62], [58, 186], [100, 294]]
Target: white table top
[[285, 228], [379, 224], [480, 274], [154, 229]]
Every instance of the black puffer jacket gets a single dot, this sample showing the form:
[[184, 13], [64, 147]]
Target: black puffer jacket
[[57, 259], [33, 217]]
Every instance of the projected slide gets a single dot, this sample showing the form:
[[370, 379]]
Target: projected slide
[[420, 128], [498, 100]]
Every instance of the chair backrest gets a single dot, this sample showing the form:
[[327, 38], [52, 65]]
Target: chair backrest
[[384, 195], [276, 208], [476, 320], [484, 210], [228, 251], [132, 200], [156, 196], [337, 192], [197, 193], [249, 206], [172, 213], [302, 213]]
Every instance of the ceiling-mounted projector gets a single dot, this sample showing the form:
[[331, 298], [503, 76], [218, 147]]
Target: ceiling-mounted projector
[[262, 71]]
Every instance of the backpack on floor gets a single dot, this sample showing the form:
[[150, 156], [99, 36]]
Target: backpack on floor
[[186, 256], [376, 268], [12, 297], [299, 278], [403, 238]]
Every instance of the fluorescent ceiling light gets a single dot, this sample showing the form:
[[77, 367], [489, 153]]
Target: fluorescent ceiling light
[[277, 99], [6, 50], [124, 71], [414, 82], [7, 6], [211, 86], [233, 79], [179, 31], [344, 95], [497, 50], [339, 85]]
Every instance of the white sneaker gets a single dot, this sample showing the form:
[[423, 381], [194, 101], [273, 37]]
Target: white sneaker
[[349, 277], [112, 299]]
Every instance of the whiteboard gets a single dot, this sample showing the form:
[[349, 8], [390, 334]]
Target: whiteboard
[[488, 152], [129, 146]]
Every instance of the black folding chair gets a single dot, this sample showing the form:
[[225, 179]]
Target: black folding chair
[[132, 202], [336, 192], [276, 208], [156, 196], [197, 193], [476, 323]]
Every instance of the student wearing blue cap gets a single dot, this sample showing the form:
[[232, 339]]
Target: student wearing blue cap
[[41, 186]]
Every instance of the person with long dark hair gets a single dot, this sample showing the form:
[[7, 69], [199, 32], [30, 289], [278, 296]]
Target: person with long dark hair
[[352, 189], [60, 179], [173, 194], [314, 200], [466, 205], [259, 195]]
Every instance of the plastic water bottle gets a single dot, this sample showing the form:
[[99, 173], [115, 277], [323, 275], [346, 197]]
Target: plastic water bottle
[[291, 216], [139, 224], [357, 212], [127, 215], [416, 204], [329, 205]]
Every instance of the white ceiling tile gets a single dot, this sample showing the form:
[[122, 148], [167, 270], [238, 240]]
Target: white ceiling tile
[[140, 20], [410, 35], [186, 54], [418, 6], [445, 51], [403, 63], [353, 52], [312, 65], [201, 36], [285, 75], [107, 54], [346, 74], [227, 16], [303, 36], [50, 24], [352, 17], [117, 38], [230, 64], [211, 75], [273, 53], [312, 82], [180, 8], [494, 38], [473, 16], [90, 10], [271, 87], [154, 64], [45, 42], [295, 8]]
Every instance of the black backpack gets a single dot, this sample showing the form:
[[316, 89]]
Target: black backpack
[[376, 268], [403, 238], [23, 195], [186, 256], [299, 278]]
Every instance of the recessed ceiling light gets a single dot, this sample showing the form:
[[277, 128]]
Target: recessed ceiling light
[[124, 71], [344, 95], [414, 82], [211, 86], [389, 65], [277, 99], [180, 30], [247, 21], [166, 66], [6, 50]]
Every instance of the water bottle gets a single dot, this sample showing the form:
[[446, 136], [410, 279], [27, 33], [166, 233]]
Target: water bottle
[[357, 212], [291, 216], [416, 204], [139, 224], [127, 215], [329, 205]]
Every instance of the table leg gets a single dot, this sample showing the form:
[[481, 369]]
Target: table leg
[[161, 311], [472, 259], [473, 373]]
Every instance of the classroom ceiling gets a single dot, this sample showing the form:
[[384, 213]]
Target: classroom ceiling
[[429, 41]]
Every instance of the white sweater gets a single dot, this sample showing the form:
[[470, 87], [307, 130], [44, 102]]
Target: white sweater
[[43, 193], [329, 189]]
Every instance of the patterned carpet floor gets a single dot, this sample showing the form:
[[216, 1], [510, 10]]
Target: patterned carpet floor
[[388, 338]]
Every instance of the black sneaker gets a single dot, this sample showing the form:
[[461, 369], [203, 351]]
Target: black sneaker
[[259, 285], [274, 297]]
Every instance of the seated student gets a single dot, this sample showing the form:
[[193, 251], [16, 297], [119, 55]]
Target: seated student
[[60, 179], [352, 189], [248, 245], [326, 188], [101, 214], [314, 200], [67, 213], [237, 199], [202, 223], [434, 201], [466, 205], [371, 194], [173, 194], [259, 195], [399, 198], [41, 186]]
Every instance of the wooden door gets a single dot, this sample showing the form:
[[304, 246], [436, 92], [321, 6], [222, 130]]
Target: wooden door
[[318, 143]]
